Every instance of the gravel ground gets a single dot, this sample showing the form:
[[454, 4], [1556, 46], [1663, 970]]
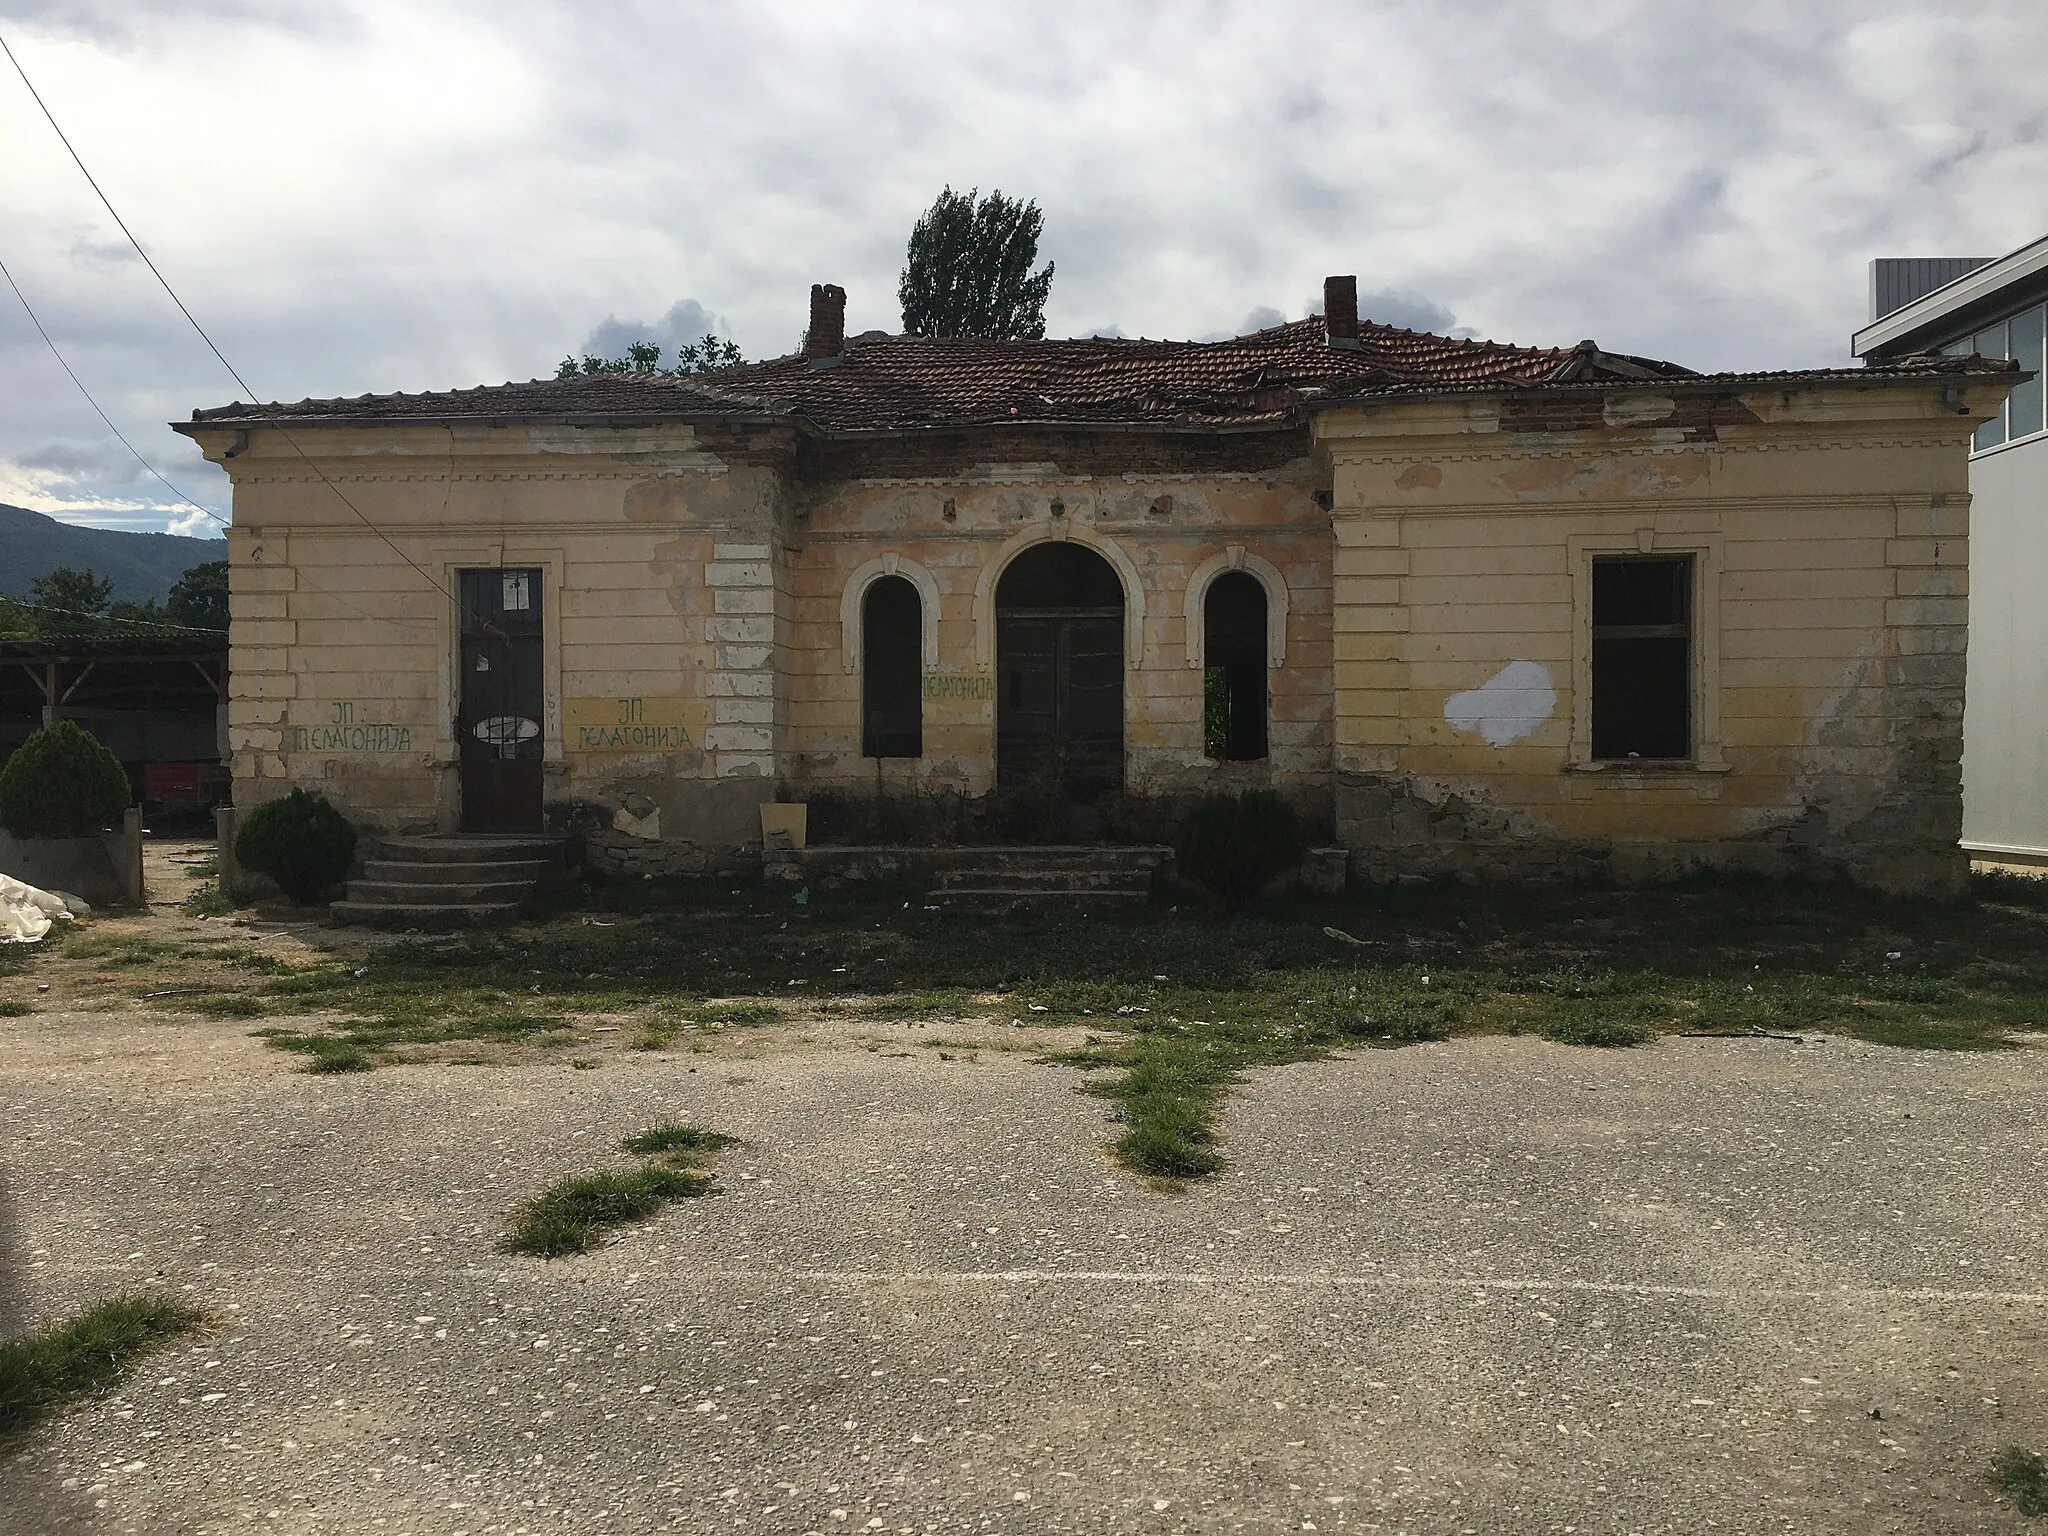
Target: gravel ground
[[1484, 1286]]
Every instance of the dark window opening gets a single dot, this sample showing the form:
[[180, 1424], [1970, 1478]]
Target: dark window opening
[[1642, 657], [892, 670], [1234, 675]]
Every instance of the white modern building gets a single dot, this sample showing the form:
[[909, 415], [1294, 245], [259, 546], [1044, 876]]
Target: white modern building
[[1995, 308]]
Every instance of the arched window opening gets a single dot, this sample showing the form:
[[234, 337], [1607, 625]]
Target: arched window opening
[[892, 655], [1234, 668]]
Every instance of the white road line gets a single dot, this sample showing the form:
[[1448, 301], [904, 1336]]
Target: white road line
[[647, 1269], [1196, 1278]]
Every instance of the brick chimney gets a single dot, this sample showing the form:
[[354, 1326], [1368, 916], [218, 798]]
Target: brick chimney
[[1340, 311], [826, 340]]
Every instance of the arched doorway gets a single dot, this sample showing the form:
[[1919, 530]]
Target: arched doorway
[[1060, 672]]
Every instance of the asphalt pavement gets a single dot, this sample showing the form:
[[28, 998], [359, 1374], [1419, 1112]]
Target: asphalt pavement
[[1480, 1286]]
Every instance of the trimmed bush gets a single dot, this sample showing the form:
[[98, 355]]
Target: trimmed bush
[[62, 782], [1234, 846], [301, 842]]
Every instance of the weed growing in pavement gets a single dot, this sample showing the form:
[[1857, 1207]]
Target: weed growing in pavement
[[677, 1138], [2022, 1476], [85, 1354], [572, 1216], [354, 1045]]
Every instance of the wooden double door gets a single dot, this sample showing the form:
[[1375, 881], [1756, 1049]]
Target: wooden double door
[[1060, 673]]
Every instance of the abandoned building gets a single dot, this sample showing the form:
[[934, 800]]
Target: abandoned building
[[1479, 608]]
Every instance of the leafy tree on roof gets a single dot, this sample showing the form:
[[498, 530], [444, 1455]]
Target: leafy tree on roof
[[705, 355], [968, 269]]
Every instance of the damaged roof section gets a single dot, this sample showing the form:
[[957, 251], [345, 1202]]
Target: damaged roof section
[[882, 384]]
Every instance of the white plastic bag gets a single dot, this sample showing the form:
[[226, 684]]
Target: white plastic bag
[[26, 914]]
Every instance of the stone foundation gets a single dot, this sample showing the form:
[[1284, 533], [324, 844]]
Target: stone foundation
[[620, 853], [1395, 832]]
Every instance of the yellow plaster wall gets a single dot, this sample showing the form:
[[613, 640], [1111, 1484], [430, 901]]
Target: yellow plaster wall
[[1831, 541], [1160, 529], [702, 587], [341, 577]]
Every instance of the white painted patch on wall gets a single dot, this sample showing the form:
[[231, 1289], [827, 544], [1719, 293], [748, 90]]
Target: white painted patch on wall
[[1507, 707]]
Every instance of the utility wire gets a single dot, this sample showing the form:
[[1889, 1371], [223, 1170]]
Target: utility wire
[[106, 618], [38, 324], [72, 373], [254, 398]]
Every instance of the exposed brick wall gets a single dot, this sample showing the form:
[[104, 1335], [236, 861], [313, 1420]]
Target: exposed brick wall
[[1075, 453]]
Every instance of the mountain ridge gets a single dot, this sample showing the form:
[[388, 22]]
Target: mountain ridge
[[140, 565]]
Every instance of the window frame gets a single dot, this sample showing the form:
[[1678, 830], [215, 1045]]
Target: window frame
[[1966, 344], [1704, 684]]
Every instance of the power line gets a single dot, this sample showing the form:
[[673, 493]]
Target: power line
[[110, 618], [61, 363], [72, 373], [267, 415]]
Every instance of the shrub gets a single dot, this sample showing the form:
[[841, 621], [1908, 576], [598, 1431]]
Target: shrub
[[1235, 845], [62, 783], [301, 842]]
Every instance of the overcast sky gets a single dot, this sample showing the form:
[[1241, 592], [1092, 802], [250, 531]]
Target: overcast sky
[[411, 195]]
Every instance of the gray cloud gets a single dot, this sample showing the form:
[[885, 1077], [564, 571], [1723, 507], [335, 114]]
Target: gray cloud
[[1409, 311], [441, 196], [687, 321]]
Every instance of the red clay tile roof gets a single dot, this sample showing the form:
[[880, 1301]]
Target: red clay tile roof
[[902, 383]]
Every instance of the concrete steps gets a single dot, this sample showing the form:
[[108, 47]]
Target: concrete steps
[[457, 878], [1002, 879]]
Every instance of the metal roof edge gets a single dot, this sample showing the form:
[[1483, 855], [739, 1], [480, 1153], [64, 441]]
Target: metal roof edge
[[1974, 287]]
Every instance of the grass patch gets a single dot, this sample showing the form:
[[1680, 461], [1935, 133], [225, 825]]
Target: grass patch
[[85, 1355], [1299, 977], [2010, 888], [948, 1004], [2022, 1476], [695, 1140], [739, 1013], [120, 949], [220, 1005], [9, 1009], [209, 900], [573, 1216], [355, 1045]]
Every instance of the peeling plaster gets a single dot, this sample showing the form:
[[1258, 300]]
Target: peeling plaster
[[1507, 707]]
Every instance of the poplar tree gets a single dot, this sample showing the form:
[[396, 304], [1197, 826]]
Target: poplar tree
[[968, 269]]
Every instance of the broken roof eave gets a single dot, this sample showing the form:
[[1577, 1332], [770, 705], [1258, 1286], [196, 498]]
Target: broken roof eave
[[1705, 383]]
